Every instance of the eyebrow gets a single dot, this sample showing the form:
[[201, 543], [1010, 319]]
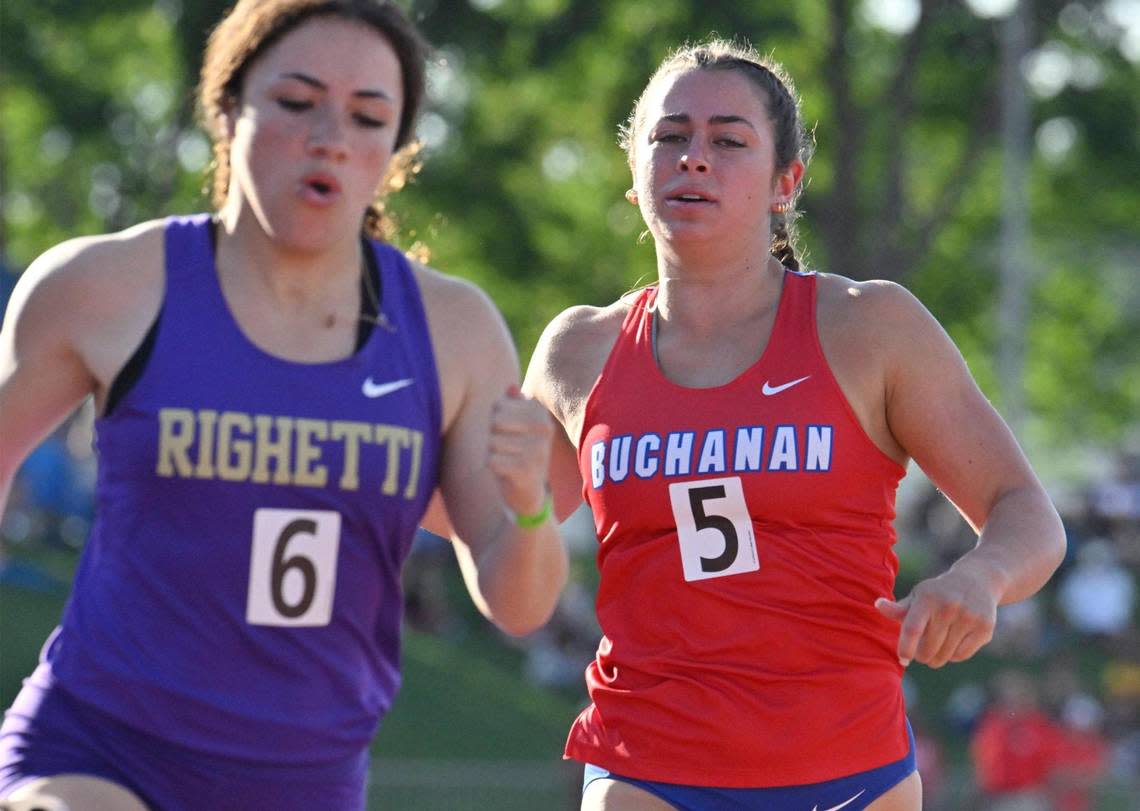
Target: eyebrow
[[312, 81], [684, 118]]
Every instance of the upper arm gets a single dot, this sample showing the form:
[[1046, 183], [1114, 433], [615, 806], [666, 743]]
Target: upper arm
[[565, 477], [477, 363], [43, 376], [75, 316], [562, 371], [939, 416]]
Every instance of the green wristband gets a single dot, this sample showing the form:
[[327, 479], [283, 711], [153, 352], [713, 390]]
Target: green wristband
[[535, 519]]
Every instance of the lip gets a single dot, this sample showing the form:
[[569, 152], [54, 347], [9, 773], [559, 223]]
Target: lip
[[673, 197], [320, 188]]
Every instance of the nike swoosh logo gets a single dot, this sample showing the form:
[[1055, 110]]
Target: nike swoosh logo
[[847, 802], [371, 389], [769, 391]]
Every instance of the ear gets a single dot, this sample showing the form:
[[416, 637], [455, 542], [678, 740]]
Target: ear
[[785, 183], [631, 195]]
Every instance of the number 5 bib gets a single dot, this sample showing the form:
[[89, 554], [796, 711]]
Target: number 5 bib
[[714, 528]]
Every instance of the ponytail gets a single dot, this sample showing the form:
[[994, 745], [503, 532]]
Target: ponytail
[[783, 245]]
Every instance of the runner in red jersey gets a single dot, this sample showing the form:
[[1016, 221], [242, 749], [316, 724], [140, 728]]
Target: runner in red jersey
[[739, 430]]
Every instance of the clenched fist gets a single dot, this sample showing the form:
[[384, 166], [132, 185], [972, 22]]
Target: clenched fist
[[519, 450], [944, 619]]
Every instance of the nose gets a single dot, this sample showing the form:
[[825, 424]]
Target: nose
[[693, 160], [326, 134]]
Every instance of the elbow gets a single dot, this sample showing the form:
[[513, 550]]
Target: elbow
[[520, 628], [1044, 519], [523, 614], [1047, 554], [1059, 545], [523, 624]]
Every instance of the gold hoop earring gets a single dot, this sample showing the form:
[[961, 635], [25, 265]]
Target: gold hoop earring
[[781, 208], [631, 195]]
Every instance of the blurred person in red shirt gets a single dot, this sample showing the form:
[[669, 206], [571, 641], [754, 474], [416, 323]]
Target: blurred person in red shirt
[[1015, 747], [1082, 756]]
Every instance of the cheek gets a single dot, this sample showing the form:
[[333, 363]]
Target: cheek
[[653, 165], [275, 136], [377, 156], [259, 145], [373, 162]]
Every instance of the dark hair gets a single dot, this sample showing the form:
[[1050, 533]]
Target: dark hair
[[792, 139], [252, 26]]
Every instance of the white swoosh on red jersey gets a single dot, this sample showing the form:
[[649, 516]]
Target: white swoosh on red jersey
[[769, 390]]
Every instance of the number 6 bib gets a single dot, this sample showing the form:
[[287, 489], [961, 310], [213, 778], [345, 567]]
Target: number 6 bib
[[714, 528], [292, 568]]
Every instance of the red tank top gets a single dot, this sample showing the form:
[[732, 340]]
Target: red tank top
[[745, 532]]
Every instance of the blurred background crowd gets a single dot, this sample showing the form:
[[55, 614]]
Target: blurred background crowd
[[983, 153]]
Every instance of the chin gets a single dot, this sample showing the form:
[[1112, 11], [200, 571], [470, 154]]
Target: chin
[[685, 232], [311, 234]]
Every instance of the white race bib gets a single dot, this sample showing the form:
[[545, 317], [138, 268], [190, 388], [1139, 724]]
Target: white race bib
[[714, 528], [292, 569]]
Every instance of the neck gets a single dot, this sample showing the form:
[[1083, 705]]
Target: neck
[[706, 296], [288, 276]]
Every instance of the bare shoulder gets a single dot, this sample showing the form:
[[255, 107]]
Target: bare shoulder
[[876, 335], [469, 337], [885, 304], [571, 354], [578, 340], [582, 331], [109, 287], [103, 272], [105, 254], [75, 317], [877, 314], [456, 302]]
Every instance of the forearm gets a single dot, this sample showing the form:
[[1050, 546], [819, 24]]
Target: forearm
[[1019, 547], [520, 575]]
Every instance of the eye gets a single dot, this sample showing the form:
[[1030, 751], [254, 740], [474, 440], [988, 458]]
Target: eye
[[294, 105], [667, 138], [731, 142], [368, 121]]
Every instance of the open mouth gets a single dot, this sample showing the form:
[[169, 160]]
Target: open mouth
[[689, 198], [320, 189]]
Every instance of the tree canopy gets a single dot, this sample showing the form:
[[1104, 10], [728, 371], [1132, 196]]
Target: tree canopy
[[521, 190]]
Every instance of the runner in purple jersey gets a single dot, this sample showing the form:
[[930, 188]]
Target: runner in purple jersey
[[280, 394]]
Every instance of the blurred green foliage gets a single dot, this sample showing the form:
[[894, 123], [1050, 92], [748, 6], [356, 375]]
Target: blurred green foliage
[[522, 188]]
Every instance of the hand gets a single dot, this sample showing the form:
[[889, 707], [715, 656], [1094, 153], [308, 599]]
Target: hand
[[521, 434], [944, 619]]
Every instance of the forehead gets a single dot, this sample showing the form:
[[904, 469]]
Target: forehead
[[703, 92], [334, 50]]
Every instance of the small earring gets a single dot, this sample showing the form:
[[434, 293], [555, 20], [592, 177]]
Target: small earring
[[781, 208], [631, 195]]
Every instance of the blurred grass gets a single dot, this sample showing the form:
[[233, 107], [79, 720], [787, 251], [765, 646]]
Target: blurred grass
[[467, 732], [28, 615], [467, 699]]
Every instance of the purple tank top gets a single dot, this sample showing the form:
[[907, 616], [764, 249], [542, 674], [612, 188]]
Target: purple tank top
[[240, 590]]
